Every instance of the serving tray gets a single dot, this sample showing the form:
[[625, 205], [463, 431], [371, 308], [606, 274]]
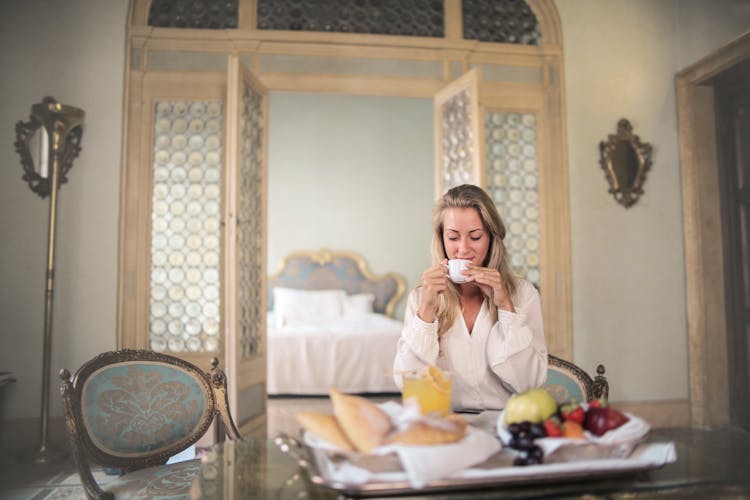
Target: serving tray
[[387, 477]]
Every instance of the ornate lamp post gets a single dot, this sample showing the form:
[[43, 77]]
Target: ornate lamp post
[[48, 143]]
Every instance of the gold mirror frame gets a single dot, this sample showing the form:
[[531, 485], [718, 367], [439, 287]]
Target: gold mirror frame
[[63, 127], [625, 160]]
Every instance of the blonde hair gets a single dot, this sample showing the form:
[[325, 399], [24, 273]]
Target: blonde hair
[[469, 196]]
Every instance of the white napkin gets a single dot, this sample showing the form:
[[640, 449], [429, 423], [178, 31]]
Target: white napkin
[[428, 463]]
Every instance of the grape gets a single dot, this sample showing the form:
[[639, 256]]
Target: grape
[[522, 436], [537, 431], [525, 442], [513, 442]]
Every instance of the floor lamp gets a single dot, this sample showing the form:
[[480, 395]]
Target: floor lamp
[[47, 144]]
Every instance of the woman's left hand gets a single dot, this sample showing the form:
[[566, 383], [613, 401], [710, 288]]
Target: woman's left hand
[[491, 284]]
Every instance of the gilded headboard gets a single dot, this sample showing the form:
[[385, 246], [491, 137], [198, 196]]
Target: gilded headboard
[[329, 270]]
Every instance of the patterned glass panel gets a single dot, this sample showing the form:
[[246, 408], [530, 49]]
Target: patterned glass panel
[[250, 227], [457, 141], [512, 174], [413, 18], [202, 14], [502, 21], [186, 227]]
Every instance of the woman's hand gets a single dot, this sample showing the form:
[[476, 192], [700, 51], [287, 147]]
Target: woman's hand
[[434, 282], [491, 284]]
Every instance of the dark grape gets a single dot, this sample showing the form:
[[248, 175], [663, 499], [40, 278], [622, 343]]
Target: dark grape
[[522, 436], [537, 431], [525, 442]]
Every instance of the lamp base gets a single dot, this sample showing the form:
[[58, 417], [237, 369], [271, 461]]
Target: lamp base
[[45, 455]]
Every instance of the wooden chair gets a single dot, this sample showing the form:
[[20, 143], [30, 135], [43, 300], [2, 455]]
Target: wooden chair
[[132, 410], [567, 382]]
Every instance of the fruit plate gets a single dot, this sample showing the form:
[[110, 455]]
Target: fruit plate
[[369, 476], [616, 443]]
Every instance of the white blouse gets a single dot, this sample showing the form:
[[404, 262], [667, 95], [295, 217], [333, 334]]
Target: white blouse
[[498, 359]]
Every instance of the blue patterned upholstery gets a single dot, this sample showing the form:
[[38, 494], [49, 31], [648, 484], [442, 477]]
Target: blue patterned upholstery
[[326, 270], [568, 382], [134, 408], [563, 387]]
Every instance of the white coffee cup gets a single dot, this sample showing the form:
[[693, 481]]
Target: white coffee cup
[[456, 268]]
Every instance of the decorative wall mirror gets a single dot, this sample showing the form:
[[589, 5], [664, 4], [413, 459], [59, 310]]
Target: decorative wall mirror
[[625, 160]]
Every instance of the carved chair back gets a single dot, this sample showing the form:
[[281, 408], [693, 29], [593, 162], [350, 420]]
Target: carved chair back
[[567, 382], [133, 409]]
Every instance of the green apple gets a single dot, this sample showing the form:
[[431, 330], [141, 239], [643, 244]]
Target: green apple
[[533, 405]]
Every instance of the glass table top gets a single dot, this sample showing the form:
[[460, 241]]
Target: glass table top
[[711, 463]]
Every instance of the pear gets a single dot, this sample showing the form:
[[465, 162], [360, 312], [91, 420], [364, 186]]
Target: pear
[[534, 405]]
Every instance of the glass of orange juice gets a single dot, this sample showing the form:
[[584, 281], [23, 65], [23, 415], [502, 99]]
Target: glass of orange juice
[[431, 388]]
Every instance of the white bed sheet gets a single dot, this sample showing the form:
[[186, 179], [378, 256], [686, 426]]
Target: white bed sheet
[[352, 355]]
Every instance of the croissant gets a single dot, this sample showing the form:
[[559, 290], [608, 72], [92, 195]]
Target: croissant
[[431, 431], [325, 427], [363, 422]]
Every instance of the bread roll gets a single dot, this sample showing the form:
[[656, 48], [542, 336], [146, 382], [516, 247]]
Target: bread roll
[[363, 422], [431, 431], [325, 427]]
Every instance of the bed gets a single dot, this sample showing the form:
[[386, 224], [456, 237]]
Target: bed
[[330, 324]]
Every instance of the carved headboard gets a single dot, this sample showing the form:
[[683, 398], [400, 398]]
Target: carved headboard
[[332, 270]]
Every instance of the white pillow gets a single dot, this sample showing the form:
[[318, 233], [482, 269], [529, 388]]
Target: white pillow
[[293, 306], [358, 305]]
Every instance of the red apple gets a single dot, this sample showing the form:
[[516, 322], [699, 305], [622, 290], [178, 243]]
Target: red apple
[[602, 419]]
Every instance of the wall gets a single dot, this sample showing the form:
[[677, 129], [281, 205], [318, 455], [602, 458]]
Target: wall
[[352, 173], [75, 53], [628, 264], [620, 61]]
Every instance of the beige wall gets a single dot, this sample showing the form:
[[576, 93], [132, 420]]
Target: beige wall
[[352, 173], [620, 60], [628, 264], [73, 51]]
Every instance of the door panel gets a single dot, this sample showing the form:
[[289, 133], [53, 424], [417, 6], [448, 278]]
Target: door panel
[[173, 255], [245, 270], [458, 134]]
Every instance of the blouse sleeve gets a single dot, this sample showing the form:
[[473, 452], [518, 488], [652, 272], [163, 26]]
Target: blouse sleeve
[[516, 350], [418, 344]]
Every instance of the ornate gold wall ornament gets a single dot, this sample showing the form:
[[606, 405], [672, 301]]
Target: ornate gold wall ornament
[[625, 160]]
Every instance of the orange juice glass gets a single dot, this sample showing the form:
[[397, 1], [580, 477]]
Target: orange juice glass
[[433, 396]]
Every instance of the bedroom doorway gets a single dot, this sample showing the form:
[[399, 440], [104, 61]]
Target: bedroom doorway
[[174, 71], [733, 131]]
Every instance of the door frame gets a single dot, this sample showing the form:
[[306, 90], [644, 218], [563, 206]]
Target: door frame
[[704, 252]]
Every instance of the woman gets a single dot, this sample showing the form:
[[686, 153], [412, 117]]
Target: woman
[[486, 332]]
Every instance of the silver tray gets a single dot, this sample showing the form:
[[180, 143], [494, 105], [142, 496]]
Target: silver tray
[[568, 463]]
